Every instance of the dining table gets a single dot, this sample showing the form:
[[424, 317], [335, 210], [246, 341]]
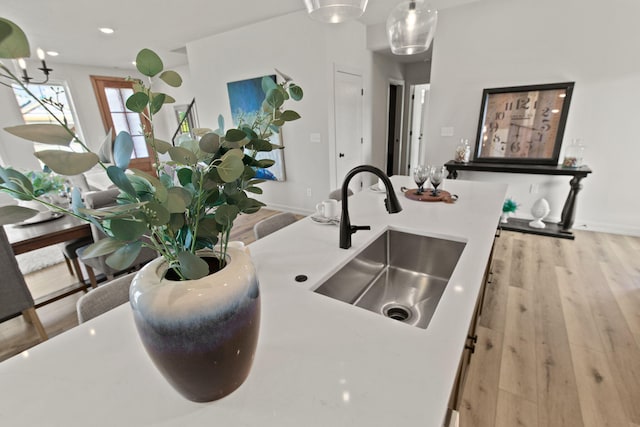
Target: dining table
[[49, 229]]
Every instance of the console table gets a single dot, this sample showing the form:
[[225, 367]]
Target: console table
[[561, 229]]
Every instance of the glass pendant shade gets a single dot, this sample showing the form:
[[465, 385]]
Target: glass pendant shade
[[335, 11], [410, 27]]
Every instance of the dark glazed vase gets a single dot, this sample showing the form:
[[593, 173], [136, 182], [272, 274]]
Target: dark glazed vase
[[200, 334]]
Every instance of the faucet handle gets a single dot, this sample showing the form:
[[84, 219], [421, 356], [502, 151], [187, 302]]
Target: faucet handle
[[355, 228]]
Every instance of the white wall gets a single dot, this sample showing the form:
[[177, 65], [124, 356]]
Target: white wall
[[307, 51], [497, 43], [18, 153]]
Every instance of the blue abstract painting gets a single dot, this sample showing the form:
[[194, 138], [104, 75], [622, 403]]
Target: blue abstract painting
[[245, 98]]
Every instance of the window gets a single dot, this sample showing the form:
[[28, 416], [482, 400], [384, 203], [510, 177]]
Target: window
[[56, 96], [112, 94]]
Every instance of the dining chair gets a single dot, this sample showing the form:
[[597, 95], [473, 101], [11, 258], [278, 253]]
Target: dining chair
[[98, 200], [337, 194], [15, 297], [273, 223], [105, 297]]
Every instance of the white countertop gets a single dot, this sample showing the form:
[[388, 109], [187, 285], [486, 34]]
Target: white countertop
[[319, 362]]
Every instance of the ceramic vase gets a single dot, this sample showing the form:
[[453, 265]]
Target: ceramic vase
[[201, 334], [539, 210]]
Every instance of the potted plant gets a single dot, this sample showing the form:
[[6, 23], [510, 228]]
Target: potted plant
[[185, 212], [509, 207]]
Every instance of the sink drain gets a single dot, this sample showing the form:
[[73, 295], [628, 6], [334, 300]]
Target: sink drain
[[397, 312]]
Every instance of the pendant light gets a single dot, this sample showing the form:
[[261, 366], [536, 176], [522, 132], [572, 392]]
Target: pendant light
[[335, 11], [410, 27]]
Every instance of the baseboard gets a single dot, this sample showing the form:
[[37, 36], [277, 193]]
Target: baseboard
[[607, 228]]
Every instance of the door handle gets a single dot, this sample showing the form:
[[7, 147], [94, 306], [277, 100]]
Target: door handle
[[341, 155]]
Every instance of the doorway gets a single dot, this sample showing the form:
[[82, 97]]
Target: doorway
[[348, 119], [394, 132], [417, 127]]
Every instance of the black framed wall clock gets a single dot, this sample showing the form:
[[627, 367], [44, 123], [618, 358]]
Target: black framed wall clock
[[523, 124]]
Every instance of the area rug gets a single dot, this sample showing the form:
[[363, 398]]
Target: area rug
[[40, 258]]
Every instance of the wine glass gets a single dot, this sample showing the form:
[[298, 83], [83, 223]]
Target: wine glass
[[436, 175], [420, 175]]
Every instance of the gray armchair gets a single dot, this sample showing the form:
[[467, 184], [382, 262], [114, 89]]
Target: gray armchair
[[272, 224], [15, 298], [97, 200], [105, 297]]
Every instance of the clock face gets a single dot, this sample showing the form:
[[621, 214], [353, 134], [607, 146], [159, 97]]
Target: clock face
[[522, 125]]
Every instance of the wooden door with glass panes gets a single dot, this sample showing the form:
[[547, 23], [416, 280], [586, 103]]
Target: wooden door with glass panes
[[111, 94]]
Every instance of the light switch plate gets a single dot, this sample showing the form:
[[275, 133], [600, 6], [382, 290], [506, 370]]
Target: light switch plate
[[446, 131]]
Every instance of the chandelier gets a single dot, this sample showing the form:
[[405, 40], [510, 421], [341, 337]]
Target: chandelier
[[410, 27], [335, 11]]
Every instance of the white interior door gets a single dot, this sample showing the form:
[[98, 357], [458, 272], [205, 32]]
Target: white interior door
[[348, 111], [417, 142]]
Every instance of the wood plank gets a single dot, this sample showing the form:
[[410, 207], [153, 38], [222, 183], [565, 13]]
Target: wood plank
[[520, 264], [626, 294], [515, 411], [518, 367], [580, 323], [599, 398], [621, 349], [558, 403], [480, 397]]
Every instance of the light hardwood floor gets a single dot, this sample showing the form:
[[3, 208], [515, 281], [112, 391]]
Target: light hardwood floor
[[558, 342]]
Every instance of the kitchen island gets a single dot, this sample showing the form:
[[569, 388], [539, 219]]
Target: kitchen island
[[319, 361]]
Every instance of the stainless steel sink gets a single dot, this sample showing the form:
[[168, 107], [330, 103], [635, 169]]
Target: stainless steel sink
[[401, 276]]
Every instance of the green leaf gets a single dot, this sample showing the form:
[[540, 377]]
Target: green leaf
[[157, 215], [127, 229], [160, 191], [268, 84], [192, 266], [178, 200], [159, 145], [254, 190], [102, 247], [260, 145], [252, 206], [266, 163], [44, 133], [137, 102], [249, 132], [119, 178], [230, 169], [289, 115], [171, 78], [210, 142], [168, 99], [296, 92], [275, 98], [12, 214], [15, 43], [66, 162], [207, 228], [122, 150], [183, 156], [157, 100], [234, 135], [225, 214], [236, 152], [125, 256], [185, 176], [176, 221], [5, 30], [148, 63]]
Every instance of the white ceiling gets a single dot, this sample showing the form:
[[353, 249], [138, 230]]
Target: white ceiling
[[70, 27]]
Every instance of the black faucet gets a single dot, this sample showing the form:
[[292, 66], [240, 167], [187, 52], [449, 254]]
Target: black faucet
[[391, 203]]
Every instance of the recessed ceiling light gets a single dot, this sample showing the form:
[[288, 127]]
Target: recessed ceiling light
[[107, 30], [52, 53]]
